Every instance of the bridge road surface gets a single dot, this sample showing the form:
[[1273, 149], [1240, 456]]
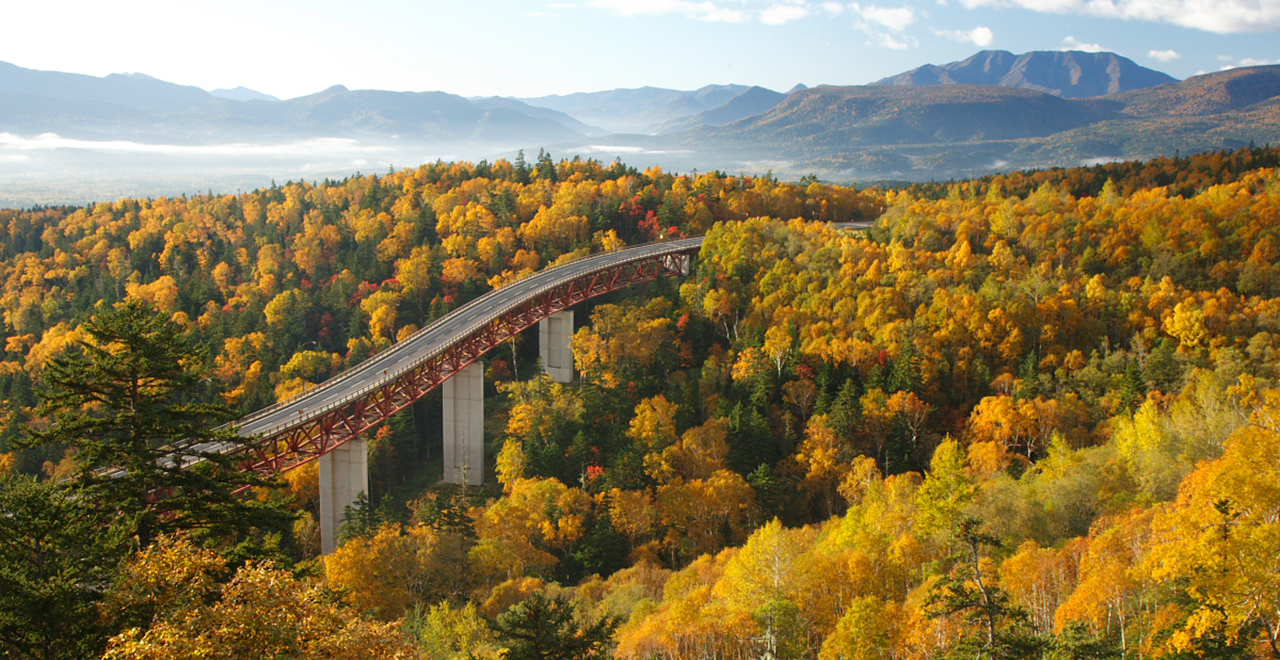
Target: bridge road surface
[[382, 368], [353, 384]]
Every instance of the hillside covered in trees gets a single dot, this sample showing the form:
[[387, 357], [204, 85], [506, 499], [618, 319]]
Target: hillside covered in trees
[[1027, 416]]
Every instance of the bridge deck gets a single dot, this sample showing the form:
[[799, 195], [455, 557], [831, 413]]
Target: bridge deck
[[435, 338], [312, 423]]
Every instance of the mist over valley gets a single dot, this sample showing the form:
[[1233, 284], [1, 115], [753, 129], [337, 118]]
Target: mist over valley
[[71, 138]]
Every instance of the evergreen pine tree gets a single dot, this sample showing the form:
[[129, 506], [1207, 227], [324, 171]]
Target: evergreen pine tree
[[144, 449], [522, 168], [845, 415], [540, 628], [1028, 377], [57, 557], [546, 169], [999, 627], [905, 375]]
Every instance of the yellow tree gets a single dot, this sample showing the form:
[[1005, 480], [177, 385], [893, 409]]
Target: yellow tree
[[824, 457], [1006, 420], [455, 634], [706, 514], [263, 612], [699, 454], [877, 422], [622, 338], [945, 491], [1111, 589], [1222, 541], [654, 424], [762, 582], [1040, 579], [393, 570], [867, 631], [523, 533]]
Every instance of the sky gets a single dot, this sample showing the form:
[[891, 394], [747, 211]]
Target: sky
[[528, 48]]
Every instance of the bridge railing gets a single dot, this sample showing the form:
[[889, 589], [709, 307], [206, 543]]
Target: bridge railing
[[642, 253]]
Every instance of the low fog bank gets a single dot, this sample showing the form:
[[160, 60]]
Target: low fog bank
[[50, 170]]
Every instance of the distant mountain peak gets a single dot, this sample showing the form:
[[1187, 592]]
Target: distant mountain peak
[[134, 90], [241, 93], [637, 110], [756, 100], [1065, 73]]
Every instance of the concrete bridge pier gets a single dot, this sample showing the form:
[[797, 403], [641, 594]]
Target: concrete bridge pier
[[344, 474], [464, 426], [553, 345]]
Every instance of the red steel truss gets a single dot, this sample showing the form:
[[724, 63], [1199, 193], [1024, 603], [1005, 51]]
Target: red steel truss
[[293, 446]]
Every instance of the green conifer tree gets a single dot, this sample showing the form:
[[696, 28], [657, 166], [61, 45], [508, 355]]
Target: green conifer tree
[[143, 447], [57, 557], [541, 628]]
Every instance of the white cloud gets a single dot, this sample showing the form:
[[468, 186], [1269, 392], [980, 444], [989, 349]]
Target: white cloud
[[1221, 16], [895, 19], [875, 20], [982, 36], [1071, 43], [779, 14], [1164, 55], [979, 36], [706, 11], [833, 8], [1247, 61], [889, 41]]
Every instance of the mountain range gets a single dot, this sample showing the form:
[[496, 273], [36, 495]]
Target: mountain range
[[939, 132], [992, 111], [1069, 74]]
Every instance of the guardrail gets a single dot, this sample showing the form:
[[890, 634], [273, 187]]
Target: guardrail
[[554, 278]]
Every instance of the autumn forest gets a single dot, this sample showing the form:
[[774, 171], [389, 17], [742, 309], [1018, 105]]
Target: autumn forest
[[1034, 415]]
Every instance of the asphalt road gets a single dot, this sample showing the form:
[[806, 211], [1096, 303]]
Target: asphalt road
[[355, 383]]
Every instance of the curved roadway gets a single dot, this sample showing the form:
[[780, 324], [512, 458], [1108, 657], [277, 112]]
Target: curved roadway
[[353, 384]]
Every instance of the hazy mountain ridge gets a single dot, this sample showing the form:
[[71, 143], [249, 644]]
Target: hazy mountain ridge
[[754, 101], [983, 128], [242, 93], [637, 110], [1069, 74], [138, 91], [141, 108], [905, 116], [489, 102], [945, 131], [903, 131]]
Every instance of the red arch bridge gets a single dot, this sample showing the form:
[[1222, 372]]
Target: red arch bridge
[[329, 421]]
